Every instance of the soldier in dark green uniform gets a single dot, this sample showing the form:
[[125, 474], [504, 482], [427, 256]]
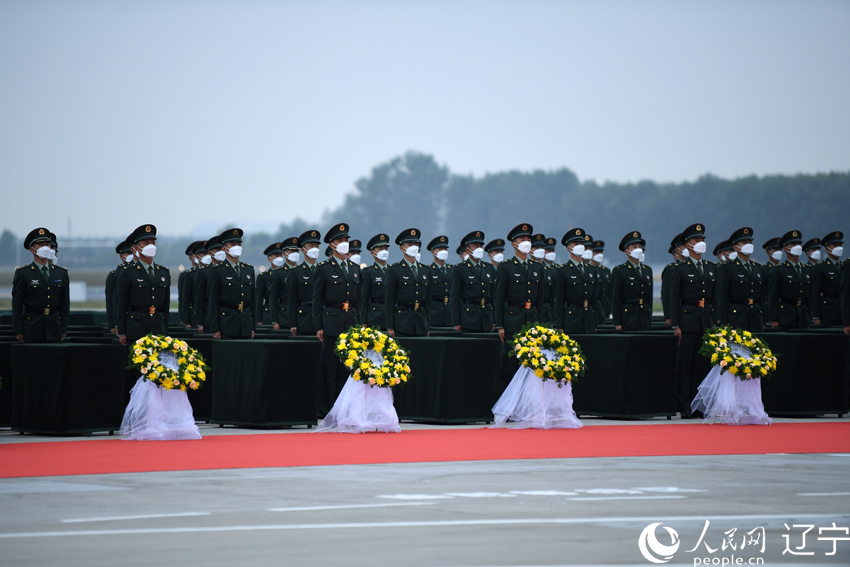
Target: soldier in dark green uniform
[[471, 288], [373, 293], [631, 287], [336, 295], [679, 252], [184, 286], [441, 276], [721, 252], [773, 248], [40, 294], [603, 308], [143, 291], [575, 289], [461, 254], [299, 286], [408, 301], [125, 252], [587, 260], [693, 309], [201, 254], [54, 250], [495, 250], [519, 288], [278, 287], [214, 256], [262, 302], [232, 285], [812, 251], [742, 287], [826, 278], [789, 287]]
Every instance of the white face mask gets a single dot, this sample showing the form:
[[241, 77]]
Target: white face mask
[[206, 259], [129, 258], [412, 251], [278, 261], [478, 253], [598, 258], [578, 250], [816, 255], [442, 255], [383, 255], [524, 247], [235, 251], [635, 253], [418, 257], [838, 251], [777, 255], [498, 257], [686, 253], [43, 252], [313, 253], [149, 250], [355, 258], [465, 257], [342, 248], [551, 256], [220, 256], [52, 254], [796, 250], [700, 247], [747, 248], [642, 258], [293, 257], [733, 256], [588, 254], [538, 253]]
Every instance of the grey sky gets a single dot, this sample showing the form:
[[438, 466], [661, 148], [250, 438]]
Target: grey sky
[[174, 112]]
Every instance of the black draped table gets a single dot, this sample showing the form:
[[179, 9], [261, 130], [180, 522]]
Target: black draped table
[[812, 376], [265, 383], [67, 389], [6, 388], [201, 399], [629, 375], [454, 379]]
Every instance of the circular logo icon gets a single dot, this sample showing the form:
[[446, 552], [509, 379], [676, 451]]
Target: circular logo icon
[[653, 550]]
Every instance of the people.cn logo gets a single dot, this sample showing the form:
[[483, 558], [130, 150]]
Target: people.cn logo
[[653, 550]]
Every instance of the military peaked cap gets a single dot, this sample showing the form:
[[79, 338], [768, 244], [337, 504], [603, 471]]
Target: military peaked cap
[[36, 235], [409, 235], [745, 233], [336, 231], [439, 242], [572, 235], [524, 229], [630, 239], [378, 240]]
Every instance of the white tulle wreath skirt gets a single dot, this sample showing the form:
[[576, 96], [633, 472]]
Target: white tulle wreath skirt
[[157, 414], [725, 398], [361, 408], [529, 402]]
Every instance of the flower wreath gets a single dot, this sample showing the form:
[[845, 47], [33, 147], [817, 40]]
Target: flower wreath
[[528, 346], [191, 367], [351, 348], [717, 346]]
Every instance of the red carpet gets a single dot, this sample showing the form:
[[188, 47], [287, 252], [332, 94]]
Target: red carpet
[[305, 449]]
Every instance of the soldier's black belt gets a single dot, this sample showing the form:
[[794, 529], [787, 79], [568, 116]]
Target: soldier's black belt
[[524, 305], [377, 300], [792, 302], [344, 306], [634, 301], [748, 302], [698, 303], [146, 310], [44, 311], [415, 305], [580, 305], [481, 302], [444, 299], [236, 306]]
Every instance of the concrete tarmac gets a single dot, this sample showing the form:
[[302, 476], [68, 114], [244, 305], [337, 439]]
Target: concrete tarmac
[[785, 510]]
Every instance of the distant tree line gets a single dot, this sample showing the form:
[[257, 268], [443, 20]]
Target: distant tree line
[[413, 190]]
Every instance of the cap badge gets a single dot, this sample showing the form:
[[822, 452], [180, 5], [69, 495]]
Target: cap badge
[[746, 231], [699, 227], [313, 233], [525, 227], [578, 231], [635, 234], [442, 239], [147, 229], [413, 232], [795, 234], [41, 231], [342, 227], [477, 234]]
